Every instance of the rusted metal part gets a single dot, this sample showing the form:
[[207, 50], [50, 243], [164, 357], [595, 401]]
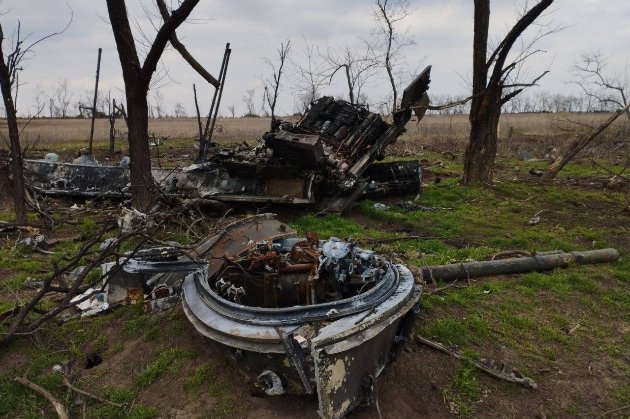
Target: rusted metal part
[[68, 179], [393, 179], [302, 150]]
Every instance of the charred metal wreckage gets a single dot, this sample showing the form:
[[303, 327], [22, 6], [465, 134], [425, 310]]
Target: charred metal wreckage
[[325, 160], [297, 315]]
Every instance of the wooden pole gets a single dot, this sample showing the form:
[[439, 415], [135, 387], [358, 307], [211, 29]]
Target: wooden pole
[[98, 71]]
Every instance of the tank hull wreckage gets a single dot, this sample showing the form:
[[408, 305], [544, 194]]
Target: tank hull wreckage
[[326, 160], [296, 315]]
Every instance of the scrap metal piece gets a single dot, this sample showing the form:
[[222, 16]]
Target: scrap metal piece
[[303, 150], [544, 261], [351, 331], [393, 179], [271, 383], [298, 359]]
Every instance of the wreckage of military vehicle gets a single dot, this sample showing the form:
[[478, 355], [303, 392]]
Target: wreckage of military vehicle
[[297, 315], [325, 160]]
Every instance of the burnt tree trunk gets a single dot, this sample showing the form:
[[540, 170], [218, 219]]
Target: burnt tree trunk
[[489, 81], [14, 138], [350, 86], [137, 77], [143, 190], [482, 146]]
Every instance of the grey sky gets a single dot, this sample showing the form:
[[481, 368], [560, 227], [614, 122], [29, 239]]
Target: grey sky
[[442, 31]]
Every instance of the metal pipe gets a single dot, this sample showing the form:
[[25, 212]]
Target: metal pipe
[[216, 110], [545, 261], [98, 72], [202, 140]]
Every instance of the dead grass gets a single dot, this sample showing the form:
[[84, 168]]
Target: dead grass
[[48, 133], [441, 131], [535, 131]]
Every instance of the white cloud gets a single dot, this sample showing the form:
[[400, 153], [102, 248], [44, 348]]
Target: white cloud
[[442, 31]]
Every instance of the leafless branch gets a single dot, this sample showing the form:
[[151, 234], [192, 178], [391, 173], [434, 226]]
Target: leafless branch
[[272, 84], [175, 42]]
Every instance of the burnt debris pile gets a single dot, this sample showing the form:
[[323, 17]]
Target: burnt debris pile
[[326, 160]]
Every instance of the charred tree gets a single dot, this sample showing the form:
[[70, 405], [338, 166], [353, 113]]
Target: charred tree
[[491, 89], [6, 82], [137, 78], [111, 116]]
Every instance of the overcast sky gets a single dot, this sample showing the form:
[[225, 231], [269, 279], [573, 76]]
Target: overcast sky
[[441, 31]]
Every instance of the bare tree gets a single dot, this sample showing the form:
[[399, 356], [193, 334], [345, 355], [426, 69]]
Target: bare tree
[[263, 105], [600, 86], [137, 77], [10, 66], [179, 111], [62, 97], [358, 67], [272, 84], [248, 100], [7, 79], [39, 99], [112, 114], [159, 104], [231, 110], [310, 76], [492, 87], [391, 41], [104, 104]]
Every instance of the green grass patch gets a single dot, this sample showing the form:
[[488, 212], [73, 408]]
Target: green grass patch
[[460, 332], [333, 225], [204, 376], [169, 360], [463, 392]]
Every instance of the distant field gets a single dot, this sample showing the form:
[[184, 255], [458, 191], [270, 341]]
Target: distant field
[[445, 132]]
